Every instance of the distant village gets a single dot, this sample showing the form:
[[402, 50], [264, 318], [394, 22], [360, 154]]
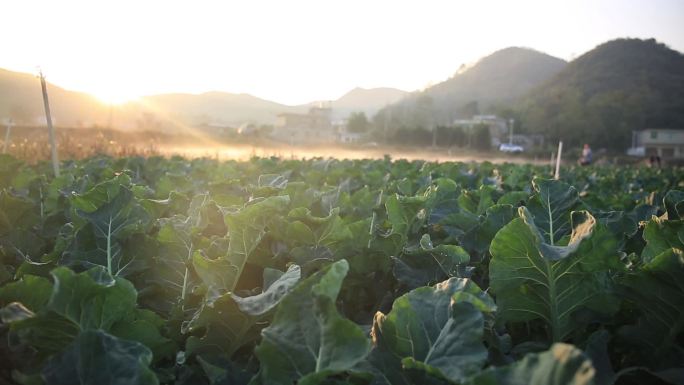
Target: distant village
[[318, 127]]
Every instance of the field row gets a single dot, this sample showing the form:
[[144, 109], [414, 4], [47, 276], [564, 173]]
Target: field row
[[271, 271]]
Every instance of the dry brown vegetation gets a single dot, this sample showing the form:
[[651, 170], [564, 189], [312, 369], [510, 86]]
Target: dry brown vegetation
[[31, 144]]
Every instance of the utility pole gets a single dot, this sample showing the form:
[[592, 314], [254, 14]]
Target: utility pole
[[51, 130], [556, 176], [10, 123], [510, 131]]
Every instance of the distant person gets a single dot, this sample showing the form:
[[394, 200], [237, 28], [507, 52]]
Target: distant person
[[585, 160], [654, 161]]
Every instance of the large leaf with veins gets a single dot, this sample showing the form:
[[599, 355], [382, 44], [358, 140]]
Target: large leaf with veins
[[246, 228], [231, 321], [536, 280], [308, 337], [436, 331], [551, 207], [658, 289], [99, 241], [562, 364], [96, 357]]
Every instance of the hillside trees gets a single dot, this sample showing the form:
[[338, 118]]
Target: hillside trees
[[358, 122]]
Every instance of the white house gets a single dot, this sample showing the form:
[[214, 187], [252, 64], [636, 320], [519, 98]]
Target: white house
[[667, 143], [315, 126], [498, 127], [349, 137]]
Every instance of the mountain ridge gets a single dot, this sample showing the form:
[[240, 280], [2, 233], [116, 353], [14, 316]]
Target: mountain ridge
[[497, 78], [20, 99], [619, 86], [603, 95]]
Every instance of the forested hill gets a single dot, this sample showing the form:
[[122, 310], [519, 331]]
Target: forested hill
[[600, 97], [499, 78]]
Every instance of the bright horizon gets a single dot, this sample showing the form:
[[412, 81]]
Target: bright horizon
[[300, 51]]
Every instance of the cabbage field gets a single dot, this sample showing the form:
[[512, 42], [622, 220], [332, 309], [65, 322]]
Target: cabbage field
[[323, 271]]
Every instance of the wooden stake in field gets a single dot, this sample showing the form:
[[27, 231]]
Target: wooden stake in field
[[558, 160], [10, 123], [51, 130]]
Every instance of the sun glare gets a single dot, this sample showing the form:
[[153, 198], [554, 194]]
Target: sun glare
[[113, 97]]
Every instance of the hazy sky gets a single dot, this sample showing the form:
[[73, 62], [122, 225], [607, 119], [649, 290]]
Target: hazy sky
[[299, 51]]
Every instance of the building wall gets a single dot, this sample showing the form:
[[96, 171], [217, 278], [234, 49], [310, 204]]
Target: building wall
[[660, 136], [498, 127], [315, 126], [349, 137], [666, 143]]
